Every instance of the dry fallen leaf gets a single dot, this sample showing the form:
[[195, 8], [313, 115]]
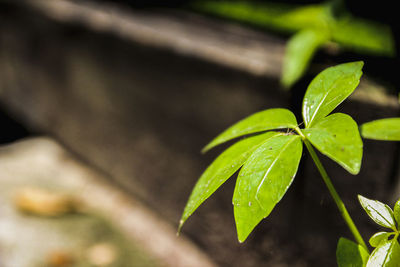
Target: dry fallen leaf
[[43, 202], [102, 254], [60, 259]]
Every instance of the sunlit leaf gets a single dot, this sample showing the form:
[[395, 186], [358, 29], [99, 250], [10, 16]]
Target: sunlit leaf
[[299, 52], [263, 180], [350, 254], [328, 89], [377, 238], [387, 254], [275, 118], [381, 213], [384, 129], [223, 167], [337, 137]]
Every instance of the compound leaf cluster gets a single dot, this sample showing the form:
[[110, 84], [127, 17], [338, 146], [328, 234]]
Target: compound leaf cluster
[[386, 251], [268, 159]]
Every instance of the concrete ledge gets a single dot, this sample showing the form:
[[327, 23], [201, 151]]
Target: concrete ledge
[[193, 35], [43, 162]]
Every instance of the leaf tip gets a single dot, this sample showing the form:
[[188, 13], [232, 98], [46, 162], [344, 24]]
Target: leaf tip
[[181, 222], [286, 83], [205, 149], [241, 239], [242, 234], [360, 63], [355, 170]]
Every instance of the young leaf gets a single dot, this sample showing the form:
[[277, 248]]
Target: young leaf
[[381, 213], [276, 118], [223, 167], [263, 180], [387, 254], [396, 213], [299, 52], [377, 238], [328, 89], [337, 137], [350, 254], [384, 129]]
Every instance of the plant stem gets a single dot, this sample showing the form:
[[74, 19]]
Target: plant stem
[[339, 203]]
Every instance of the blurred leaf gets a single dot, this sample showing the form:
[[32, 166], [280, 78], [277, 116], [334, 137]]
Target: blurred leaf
[[350, 254], [263, 180], [278, 16], [276, 118], [299, 52], [43, 202], [223, 167], [384, 129], [361, 35], [381, 213], [387, 254], [364, 36], [337, 137], [377, 238], [328, 89]]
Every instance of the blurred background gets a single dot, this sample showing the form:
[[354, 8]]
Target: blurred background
[[105, 106]]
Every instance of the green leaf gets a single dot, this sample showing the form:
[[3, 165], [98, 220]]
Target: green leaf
[[384, 129], [337, 137], [377, 238], [299, 52], [381, 213], [396, 213], [270, 15], [387, 254], [358, 34], [364, 36], [350, 254], [328, 89], [223, 167], [263, 180], [276, 118]]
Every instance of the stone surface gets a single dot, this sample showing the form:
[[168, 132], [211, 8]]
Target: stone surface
[[108, 221]]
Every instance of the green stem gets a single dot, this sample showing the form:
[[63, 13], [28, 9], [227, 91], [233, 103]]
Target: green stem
[[339, 203]]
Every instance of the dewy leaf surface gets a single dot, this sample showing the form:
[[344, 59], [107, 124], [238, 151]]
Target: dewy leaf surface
[[299, 52], [223, 167], [276, 118], [263, 180], [384, 129], [387, 254], [377, 238], [337, 137], [381, 213], [328, 89], [350, 254]]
